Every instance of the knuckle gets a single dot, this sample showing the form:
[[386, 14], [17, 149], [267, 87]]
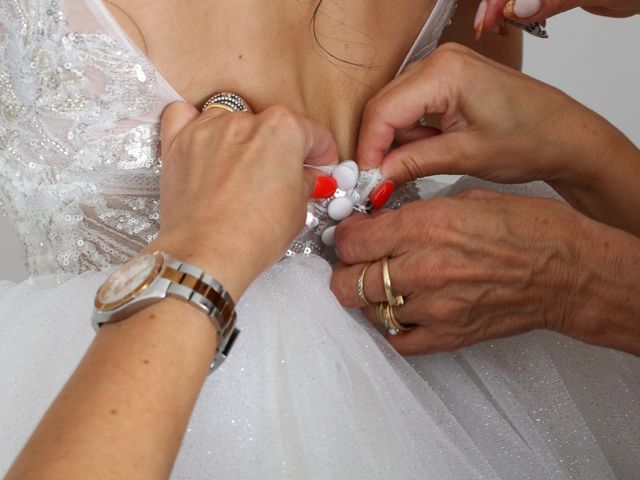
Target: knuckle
[[200, 134], [339, 288], [347, 251], [281, 117], [373, 109], [228, 128], [283, 125], [345, 244], [450, 47], [239, 123], [411, 165], [453, 57]]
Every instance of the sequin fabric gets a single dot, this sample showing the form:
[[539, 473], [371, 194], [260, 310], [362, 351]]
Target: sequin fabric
[[79, 159], [79, 170], [311, 391]]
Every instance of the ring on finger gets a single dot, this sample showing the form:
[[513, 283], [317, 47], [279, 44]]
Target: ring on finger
[[392, 299], [387, 317], [218, 105], [360, 286], [227, 101]]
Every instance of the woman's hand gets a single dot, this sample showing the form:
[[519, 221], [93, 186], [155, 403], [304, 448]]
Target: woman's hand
[[233, 195], [503, 126], [234, 189], [484, 265], [491, 13]]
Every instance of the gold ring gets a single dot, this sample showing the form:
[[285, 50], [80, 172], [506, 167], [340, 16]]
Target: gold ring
[[382, 317], [396, 326], [230, 100], [392, 299], [218, 105], [386, 315], [360, 287]]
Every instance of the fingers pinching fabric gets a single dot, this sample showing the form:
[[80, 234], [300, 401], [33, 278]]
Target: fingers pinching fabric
[[358, 191]]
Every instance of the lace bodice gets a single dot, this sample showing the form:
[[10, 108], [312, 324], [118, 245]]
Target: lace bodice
[[79, 159]]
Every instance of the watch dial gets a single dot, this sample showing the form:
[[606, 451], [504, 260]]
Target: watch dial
[[127, 280]]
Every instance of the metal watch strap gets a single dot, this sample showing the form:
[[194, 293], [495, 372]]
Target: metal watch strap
[[200, 289]]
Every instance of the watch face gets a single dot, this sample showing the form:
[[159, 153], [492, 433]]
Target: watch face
[[128, 281]]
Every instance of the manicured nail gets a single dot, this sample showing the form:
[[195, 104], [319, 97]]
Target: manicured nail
[[516, 9], [535, 28], [382, 194], [478, 22], [324, 187]]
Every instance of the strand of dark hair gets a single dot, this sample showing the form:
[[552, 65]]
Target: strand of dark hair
[[313, 25]]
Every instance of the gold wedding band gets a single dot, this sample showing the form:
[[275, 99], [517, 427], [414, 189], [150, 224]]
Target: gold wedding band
[[360, 286], [387, 317], [382, 318], [218, 105], [392, 299]]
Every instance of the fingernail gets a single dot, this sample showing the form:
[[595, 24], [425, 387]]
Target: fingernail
[[324, 187], [382, 194], [478, 22], [515, 9], [536, 29]]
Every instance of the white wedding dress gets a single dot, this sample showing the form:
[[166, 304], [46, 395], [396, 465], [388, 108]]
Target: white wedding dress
[[311, 391]]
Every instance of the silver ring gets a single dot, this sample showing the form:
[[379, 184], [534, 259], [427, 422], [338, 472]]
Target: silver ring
[[228, 99]]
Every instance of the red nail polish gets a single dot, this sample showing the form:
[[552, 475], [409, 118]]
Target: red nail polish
[[382, 194], [324, 187]]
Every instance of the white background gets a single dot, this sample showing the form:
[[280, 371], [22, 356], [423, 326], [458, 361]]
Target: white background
[[596, 60]]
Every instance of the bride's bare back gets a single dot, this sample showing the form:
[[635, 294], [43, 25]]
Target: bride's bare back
[[322, 59]]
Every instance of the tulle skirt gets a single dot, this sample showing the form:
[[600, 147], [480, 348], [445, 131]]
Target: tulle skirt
[[312, 391]]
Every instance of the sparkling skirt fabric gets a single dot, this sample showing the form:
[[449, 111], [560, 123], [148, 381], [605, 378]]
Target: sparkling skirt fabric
[[313, 391]]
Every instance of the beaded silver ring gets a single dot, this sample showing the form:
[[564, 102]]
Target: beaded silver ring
[[228, 99]]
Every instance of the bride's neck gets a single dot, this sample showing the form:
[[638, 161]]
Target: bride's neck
[[323, 61]]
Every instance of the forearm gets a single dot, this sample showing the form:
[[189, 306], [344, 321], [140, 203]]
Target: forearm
[[604, 301], [609, 191], [125, 409]]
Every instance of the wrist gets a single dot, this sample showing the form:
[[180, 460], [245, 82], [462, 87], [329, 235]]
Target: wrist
[[603, 304], [229, 265], [600, 173]]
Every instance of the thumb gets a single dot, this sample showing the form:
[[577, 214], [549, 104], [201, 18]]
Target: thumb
[[174, 119], [454, 153]]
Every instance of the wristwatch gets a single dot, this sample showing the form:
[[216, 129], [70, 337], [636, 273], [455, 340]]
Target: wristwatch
[[149, 278]]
